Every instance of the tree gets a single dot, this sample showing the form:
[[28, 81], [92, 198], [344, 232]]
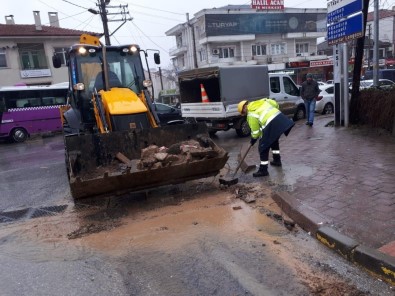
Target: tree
[[354, 106]]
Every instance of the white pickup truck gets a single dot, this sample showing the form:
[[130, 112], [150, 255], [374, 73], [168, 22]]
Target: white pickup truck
[[226, 87]]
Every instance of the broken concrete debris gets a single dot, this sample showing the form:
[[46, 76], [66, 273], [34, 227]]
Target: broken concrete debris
[[154, 157]]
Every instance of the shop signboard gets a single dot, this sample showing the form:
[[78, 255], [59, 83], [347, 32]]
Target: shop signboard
[[267, 4]]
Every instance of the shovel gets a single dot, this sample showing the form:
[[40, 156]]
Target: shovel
[[233, 180]]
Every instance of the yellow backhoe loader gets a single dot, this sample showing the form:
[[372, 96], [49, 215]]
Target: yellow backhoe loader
[[113, 139]]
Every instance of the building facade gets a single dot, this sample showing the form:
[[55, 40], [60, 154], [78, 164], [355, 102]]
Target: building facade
[[26, 51], [239, 35], [386, 52]]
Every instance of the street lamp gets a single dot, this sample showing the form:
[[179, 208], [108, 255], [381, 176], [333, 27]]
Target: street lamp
[[94, 11]]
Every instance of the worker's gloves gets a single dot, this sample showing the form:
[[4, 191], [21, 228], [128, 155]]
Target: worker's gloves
[[253, 141]]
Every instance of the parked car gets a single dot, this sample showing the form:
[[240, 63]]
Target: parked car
[[168, 114], [325, 101], [382, 83], [329, 82]]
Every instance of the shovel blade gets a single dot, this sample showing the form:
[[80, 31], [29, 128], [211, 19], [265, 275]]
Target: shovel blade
[[228, 182]]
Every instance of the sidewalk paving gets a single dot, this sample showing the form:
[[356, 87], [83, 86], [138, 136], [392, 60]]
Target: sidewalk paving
[[343, 178]]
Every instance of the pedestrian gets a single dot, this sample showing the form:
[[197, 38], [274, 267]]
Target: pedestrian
[[267, 123], [309, 94]]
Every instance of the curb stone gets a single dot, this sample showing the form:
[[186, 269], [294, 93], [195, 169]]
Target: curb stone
[[379, 264]]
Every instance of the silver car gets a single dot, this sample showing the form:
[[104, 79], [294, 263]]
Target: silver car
[[382, 83]]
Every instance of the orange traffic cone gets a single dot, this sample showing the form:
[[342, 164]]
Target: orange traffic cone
[[205, 98]]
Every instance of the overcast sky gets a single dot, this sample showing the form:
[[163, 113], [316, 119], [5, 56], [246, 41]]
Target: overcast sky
[[151, 18]]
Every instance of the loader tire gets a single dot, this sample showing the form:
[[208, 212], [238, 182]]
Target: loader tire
[[66, 131]]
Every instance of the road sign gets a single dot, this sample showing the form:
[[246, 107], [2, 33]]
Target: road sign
[[343, 31], [338, 9]]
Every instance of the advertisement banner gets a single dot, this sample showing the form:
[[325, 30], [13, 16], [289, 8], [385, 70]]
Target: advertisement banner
[[240, 24]]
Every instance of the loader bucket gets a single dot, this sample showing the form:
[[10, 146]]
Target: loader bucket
[[94, 168]]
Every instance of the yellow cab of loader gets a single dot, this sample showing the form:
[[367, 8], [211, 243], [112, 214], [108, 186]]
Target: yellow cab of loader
[[112, 133]]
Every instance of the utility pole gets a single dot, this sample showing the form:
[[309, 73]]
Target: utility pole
[[369, 44], [103, 14], [376, 44], [103, 5], [161, 80]]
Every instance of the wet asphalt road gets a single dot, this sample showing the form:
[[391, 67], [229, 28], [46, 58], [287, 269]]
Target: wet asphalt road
[[194, 242], [33, 174]]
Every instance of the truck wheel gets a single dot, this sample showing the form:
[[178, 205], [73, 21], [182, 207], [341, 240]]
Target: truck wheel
[[189, 120], [300, 113], [244, 129], [19, 135], [212, 132], [328, 109]]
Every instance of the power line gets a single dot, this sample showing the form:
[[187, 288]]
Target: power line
[[148, 37], [68, 16], [157, 16], [74, 4], [87, 22], [152, 8], [134, 38]]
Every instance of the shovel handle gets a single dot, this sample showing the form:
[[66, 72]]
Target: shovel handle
[[241, 161]]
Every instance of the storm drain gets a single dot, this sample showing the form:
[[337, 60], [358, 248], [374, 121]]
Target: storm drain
[[283, 187], [30, 213], [89, 204]]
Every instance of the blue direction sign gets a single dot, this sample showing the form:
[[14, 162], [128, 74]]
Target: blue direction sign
[[338, 9], [342, 31]]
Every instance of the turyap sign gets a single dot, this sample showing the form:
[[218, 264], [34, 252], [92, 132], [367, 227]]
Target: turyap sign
[[267, 23]]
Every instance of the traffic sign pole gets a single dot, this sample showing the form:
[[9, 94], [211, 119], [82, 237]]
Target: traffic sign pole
[[345, 85]]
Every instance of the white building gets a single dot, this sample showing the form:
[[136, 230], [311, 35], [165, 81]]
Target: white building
[[237, 34], [26, 51]]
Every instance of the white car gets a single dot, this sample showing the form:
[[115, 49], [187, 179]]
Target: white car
[[326, 99]]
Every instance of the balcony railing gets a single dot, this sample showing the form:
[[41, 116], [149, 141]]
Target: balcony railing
[[177, 50]]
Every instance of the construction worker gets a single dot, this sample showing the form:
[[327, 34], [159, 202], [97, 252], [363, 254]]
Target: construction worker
[[267, 124]]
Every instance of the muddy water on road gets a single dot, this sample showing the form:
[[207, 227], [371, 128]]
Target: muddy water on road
[[190, 242], [175, 226]]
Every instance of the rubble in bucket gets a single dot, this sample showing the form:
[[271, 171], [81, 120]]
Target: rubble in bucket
[[154, 157]]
